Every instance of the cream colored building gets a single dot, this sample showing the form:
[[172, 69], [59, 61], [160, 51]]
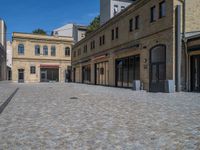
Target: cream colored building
[[40, 58], [144, 45]]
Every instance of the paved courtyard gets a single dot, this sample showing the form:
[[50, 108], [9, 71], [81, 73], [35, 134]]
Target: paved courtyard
[[85, 117]]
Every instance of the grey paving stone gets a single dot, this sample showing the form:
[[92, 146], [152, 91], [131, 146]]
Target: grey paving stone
[[43, 116]]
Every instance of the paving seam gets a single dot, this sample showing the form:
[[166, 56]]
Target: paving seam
[[3, 106]]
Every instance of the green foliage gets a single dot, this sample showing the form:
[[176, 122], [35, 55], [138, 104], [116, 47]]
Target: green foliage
[[39, 31], [95, 24]]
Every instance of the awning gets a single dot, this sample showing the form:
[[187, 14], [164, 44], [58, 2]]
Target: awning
[[49, 66]]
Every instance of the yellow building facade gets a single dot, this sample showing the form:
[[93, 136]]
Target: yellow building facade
[[40, 58], [139, 45]]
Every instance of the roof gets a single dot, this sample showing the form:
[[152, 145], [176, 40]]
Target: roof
[[41, 37], [192, 35]]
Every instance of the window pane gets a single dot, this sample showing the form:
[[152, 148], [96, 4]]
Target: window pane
[[37, 50], [158, 54], [162, 72], [21, 49], [45, 50], [53, 51], [162, 9], [154, 73]]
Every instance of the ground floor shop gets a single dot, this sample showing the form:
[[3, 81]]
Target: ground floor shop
[[152, 74], [34, 72], [124, 69]]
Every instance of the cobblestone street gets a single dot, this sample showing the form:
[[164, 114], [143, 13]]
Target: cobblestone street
[[76, 116]]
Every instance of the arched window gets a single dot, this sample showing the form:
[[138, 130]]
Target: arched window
[[53, 51], [37, 50], [45, 50], [158, 68], [158, 54], [67, 51], [21, 49]]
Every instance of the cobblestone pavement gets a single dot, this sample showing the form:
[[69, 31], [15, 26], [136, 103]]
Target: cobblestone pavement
[[6, 89], [85, 117]]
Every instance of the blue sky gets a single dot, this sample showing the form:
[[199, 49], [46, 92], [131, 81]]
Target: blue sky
[[27, 15]]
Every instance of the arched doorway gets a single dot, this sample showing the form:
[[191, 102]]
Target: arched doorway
[[157, 68]]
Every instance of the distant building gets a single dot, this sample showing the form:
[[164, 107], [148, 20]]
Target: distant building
[[41, 58], [77, 32], [9, 60], [109, 8], [3, 30]]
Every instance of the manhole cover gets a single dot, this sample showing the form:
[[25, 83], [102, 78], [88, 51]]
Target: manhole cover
[[73, 97]]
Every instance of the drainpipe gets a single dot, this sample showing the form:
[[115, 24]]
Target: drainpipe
[[178, 48], [185, 47]]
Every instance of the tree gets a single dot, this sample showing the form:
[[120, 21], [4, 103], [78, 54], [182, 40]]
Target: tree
[[95, 24], [39, 31]]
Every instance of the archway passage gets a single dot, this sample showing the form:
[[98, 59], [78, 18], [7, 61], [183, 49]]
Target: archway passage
[[157, 68]]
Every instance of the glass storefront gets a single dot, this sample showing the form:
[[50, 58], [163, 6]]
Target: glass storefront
[[127, 70], [49, 75], [101, 73]]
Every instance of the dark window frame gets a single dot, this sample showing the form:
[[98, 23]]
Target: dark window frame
[[116, 32], [161, 15], [45, 50], [32, 70], [153, 14], [137, 19], [53, 50], [21, 49], [67, 51], [85, 49], [103, 39], [37, 50], [112, 34], [131, 25]]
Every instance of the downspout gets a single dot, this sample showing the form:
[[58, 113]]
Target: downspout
[[185, 46], [178, 48]]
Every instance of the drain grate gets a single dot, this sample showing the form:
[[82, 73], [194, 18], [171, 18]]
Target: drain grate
[[73, 97]]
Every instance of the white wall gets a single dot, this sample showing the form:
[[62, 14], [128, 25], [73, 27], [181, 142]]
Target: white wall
[[9, 54], [107, 8], [66, 30]]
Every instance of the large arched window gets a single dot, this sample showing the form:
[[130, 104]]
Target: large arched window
[[67, 51], [158, 54], [158, 68], [53, 51], [37, 50], [45, 50], [21, 49]]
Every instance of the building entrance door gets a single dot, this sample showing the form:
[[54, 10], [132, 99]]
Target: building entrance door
[[21, 75], [43, 76], [195, 73], [157, 69]]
